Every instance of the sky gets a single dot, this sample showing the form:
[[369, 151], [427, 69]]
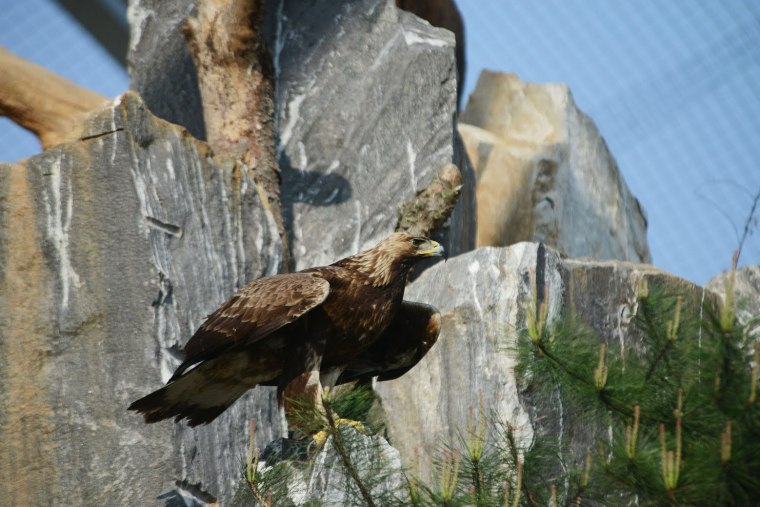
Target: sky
[[671, 85]]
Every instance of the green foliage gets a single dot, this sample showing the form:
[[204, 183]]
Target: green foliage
[[679, 406]]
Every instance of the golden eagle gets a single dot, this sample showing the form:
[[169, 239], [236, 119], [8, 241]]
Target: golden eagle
[[320, 326]]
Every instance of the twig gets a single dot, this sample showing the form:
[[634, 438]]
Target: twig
[[251, 465], [747, 225], [337, 441]]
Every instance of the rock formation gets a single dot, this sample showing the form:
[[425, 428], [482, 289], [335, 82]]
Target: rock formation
[[114, 249], [483, 297], [117, 245], [544, 173], [746, 292]]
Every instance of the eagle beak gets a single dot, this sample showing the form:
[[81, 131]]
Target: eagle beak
[[435, 250]]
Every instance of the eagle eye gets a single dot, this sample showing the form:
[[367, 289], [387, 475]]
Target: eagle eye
[[418, 242]]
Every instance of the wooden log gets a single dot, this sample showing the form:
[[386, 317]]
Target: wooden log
[[236, 81], [50, 106]]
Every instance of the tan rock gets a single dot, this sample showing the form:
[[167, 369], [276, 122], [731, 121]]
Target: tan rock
[[544, 173]]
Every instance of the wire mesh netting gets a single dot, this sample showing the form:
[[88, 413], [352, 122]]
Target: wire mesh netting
[[672, 87]]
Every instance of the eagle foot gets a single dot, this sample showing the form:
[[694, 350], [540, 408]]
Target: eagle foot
[[320, 438]]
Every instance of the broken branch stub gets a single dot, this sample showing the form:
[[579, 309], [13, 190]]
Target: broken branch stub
[[432, 205]]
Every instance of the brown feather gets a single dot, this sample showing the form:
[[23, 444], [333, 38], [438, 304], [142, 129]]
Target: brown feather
[[288, 330], [402, 345], [255, 311]]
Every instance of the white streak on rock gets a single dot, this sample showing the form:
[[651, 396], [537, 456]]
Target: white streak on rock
[[286, 132], [304, 160], [59, 216], [137, 17], [412, 37], [116, 104], [330, 198], [356, 245], [231, 250], [170, 169], [473, 269], [412, 156], [384, 52]]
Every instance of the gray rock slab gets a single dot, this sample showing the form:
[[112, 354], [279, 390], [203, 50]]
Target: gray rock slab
[[160, 65], [366, 98], [114, 249], [366, 101], [483, 297]]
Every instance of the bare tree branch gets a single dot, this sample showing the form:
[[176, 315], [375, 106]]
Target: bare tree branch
[[235, 76], [47, 104]]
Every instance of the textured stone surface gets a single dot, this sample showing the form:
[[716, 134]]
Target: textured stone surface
[[113, 250], [483, 297], [327, 482], [746, 292], [160, 65], [545, 173], [366, 98]]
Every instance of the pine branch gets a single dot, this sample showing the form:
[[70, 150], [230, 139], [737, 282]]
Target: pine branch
[[337, 442]]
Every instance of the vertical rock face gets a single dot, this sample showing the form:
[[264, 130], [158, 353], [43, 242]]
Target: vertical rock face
[[544, 173], [113, 251], [160, 65], [483, 297], [367, 97]]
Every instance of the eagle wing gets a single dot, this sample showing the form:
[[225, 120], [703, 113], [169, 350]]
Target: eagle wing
[[411, 334], [254, 312]]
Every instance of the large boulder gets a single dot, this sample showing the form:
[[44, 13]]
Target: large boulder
[[366, 98], [484, 297], [114, 249], [544, 173]]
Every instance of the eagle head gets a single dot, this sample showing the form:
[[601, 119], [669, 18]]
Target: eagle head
[[394, 256]]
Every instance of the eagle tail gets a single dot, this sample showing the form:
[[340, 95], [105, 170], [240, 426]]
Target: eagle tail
[[188, 397]]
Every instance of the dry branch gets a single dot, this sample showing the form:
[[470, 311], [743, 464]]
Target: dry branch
[[47, 104], [235, 77], [433, 204]]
